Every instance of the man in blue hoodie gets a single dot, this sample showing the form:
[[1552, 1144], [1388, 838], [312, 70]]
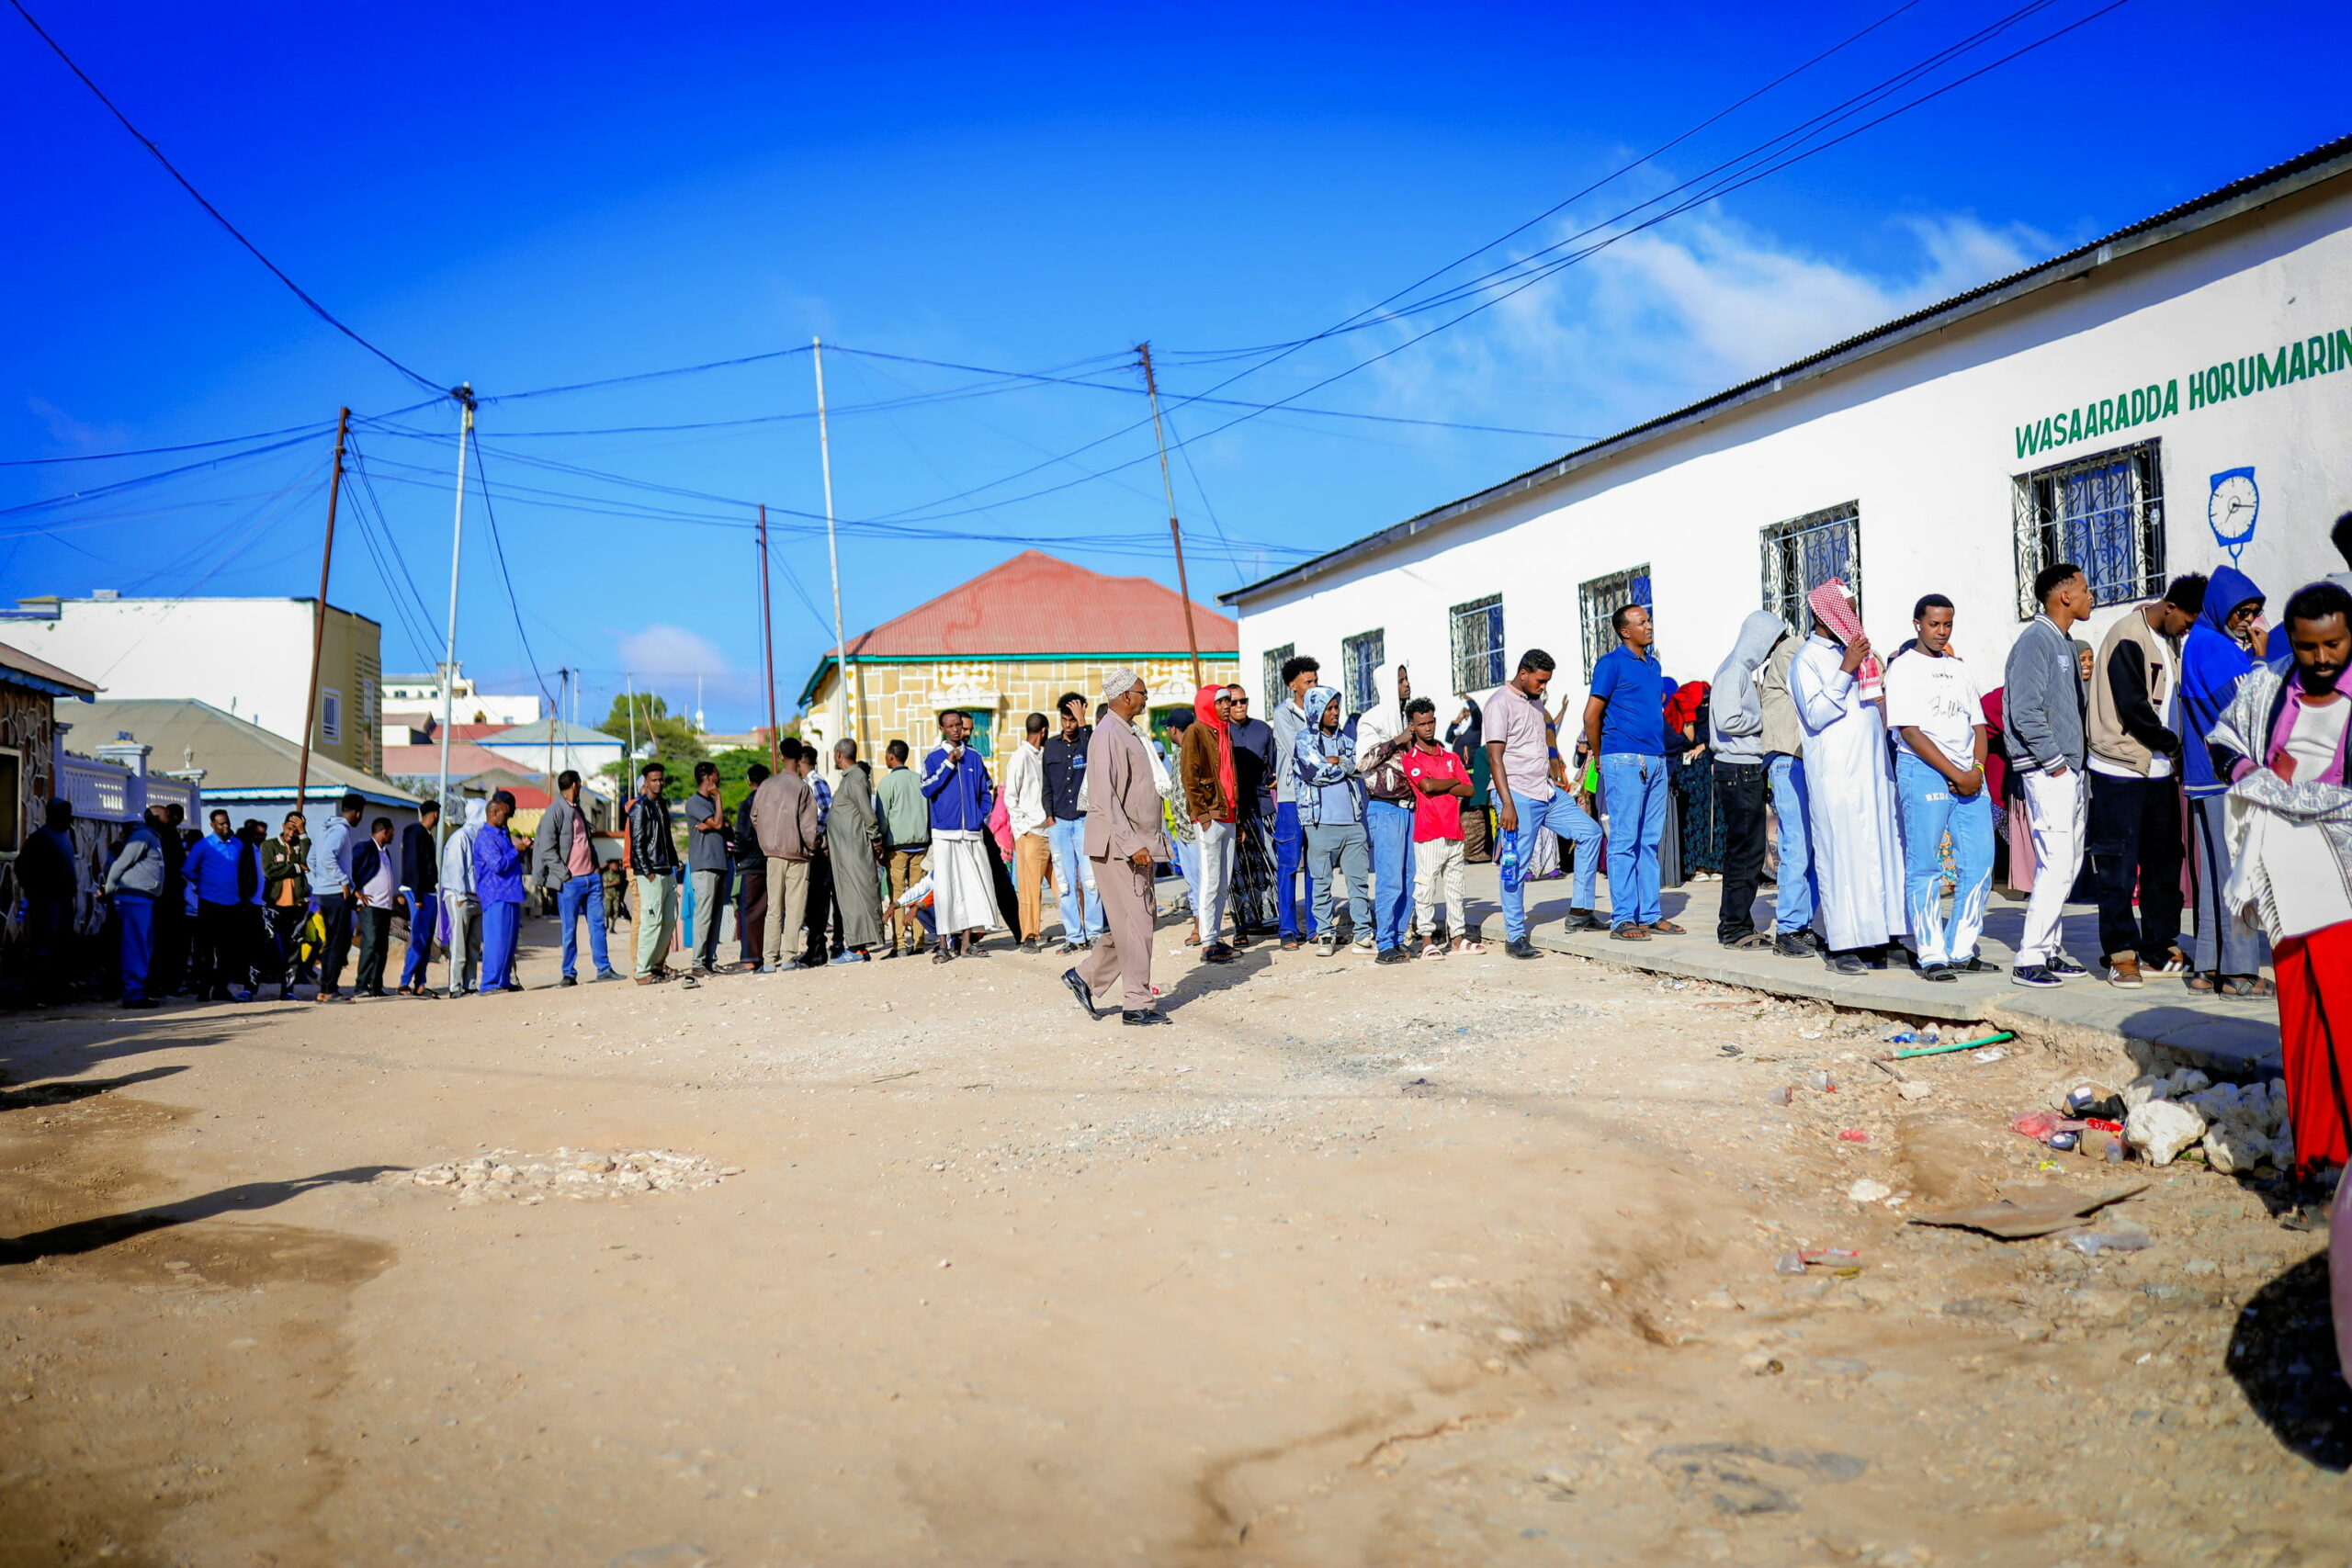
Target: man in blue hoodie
[[2220, 648], [133, 884]]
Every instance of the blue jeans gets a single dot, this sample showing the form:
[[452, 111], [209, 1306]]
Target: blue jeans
[[423, 917], [136, 913], [1928, 810], [1561, 815], [1074, 875], [1633, 788], [1342, 850], [1390, 829], [1795, 892], [1293, 914], [500, 924], [582, 898]]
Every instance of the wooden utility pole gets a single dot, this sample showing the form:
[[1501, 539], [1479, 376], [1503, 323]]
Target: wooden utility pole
[[767, 642], [319, 616], [1151, 388]]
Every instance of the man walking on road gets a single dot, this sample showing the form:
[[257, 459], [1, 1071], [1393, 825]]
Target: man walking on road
[[2041, 715], [653, 860], [1519, 758], [1124, 841], [331, 884]]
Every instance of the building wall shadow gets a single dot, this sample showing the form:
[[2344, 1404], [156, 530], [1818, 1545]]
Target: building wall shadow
[[89, 1235], [2283, 1355]]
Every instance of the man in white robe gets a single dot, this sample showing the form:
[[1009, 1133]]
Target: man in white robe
[[1857, 847]]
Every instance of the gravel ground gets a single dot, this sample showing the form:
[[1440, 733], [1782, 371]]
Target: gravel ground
[[1461, 1262]]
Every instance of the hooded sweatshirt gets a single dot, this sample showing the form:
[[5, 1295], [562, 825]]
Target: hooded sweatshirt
[[2211, 664], [1330, 792], [457, 850], [1384, 720], [1738, 713]]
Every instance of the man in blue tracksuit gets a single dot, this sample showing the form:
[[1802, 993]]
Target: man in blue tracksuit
[[133, 884], [962, 892], [498, 883]]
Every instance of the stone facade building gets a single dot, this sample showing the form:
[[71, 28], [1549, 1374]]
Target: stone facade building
[[1006, 645]]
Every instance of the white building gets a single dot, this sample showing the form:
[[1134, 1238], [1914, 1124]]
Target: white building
[[250, 658], [572, 745], [2173, 396], [421, 693]]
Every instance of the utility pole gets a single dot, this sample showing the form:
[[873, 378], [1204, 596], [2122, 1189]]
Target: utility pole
[[1183, 588], [554, 711], [832, 554], [629, 688], [767, 642], [465, 396], [319, 617]]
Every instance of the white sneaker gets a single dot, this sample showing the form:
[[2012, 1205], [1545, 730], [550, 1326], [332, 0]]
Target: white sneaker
[[1364, 944]]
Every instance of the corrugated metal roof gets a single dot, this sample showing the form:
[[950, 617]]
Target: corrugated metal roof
[[467, 758], [2328, 162], [566, 734], [235, 753]]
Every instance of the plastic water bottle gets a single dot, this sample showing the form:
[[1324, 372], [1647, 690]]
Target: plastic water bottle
[[1511, 875]]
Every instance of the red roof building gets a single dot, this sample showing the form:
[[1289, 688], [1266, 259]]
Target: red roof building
[[1008, 643]]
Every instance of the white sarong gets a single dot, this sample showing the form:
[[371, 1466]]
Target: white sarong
[[963, 893]]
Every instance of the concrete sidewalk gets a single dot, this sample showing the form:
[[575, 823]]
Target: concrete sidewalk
[[2161, 1025]]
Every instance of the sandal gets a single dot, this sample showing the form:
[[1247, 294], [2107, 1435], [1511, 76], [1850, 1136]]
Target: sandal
[[1751, 943], [1666, 928], [941, 954], [2201, 982], [2241, 986]]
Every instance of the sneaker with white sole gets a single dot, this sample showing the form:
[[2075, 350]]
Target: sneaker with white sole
[[2124, 971], [2034, 974], [2065, 967]]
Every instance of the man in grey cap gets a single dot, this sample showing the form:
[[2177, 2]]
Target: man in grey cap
[[1125, 792]]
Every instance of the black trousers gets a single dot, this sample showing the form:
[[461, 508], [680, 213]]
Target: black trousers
[[224, 954], [285, 935], [375, 945], [2133, 844], [1744, 796], [752, 913], [822, 922], [335, 912]]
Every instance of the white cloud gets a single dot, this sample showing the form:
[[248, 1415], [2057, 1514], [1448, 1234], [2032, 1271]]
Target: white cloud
[[1668, 316], [666, 659], [78, 437]]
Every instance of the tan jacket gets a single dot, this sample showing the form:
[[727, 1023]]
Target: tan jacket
[[783, 816], [1123, 812], [2126, 727], [1196, 759]]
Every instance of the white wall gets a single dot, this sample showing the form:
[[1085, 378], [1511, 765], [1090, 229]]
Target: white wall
[[425, 697], [1924, 437], [250, 657]]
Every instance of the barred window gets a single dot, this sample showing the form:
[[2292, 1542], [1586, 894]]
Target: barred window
[[1360, 657], [2104, 512], [1803, 553], [1276, 693], [331, 714], [1598, 602], [1477, 643]]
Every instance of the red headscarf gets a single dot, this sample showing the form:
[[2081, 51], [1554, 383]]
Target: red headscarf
[[1834, 610], [1682, 707], [1205, 711]]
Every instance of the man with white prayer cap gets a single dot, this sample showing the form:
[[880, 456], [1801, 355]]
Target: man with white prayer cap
[[1127, 785]]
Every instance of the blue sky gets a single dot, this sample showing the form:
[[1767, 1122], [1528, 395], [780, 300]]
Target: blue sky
[[529, 202]]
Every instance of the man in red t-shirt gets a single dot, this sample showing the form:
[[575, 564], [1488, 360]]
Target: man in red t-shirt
[[1440, 786]]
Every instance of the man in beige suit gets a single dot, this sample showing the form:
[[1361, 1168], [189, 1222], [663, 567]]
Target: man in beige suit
[[784, 818], [1123, 840]]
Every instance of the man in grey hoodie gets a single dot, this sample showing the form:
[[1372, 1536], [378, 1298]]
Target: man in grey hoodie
[[1742, 784]]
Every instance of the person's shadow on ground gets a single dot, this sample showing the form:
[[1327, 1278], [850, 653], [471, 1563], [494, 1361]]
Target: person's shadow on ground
[[2283, 1356], [89, 1235]]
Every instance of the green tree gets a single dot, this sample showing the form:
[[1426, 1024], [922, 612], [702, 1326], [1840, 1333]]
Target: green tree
[[662, 736]]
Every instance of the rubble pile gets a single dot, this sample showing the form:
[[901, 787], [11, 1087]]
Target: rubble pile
[[2235, 1126], [505, 1174]]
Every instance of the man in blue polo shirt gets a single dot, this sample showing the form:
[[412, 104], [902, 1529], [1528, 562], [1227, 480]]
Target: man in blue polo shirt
[[1625, 726]]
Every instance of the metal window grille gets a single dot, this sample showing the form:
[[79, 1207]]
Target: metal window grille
[[1275, 659], [1803, 553], [1360, 657], [1598, 602], [331, 714], [2104, 512], [1477, 644]]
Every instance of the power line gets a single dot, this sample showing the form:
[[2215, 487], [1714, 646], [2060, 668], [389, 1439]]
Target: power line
[[276, 271], [498, 546]]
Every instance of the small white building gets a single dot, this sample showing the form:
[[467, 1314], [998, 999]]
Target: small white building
[[250, 658], [421, 693], [2173, 396], [572, 745]]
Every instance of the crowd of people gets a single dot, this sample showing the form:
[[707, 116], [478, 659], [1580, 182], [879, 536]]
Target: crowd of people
[[2193, 761]]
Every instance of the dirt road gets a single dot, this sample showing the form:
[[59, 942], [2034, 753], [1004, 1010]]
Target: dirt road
[[1456, 1262]]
